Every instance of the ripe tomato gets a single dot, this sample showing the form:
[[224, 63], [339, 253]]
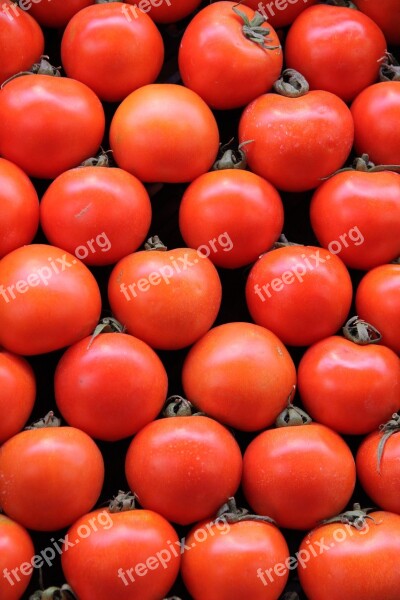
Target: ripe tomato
[[164, 133], [162, 11], [376, 113], [250, 375], [280, 13], [386, 14], [49, 477], [100, 214], [49, 124], [168, 299], [109, 53], [142, 556], [350, 388], [288, 474], [296, 293], [19, 204], [378, 301], [365, 209], [236, 207], [344, 562], [18, 392], [226, 560], [62, 303], [217, 53], [22, 40], [56, 13], [16, 550], [296, 141], [326, 44]]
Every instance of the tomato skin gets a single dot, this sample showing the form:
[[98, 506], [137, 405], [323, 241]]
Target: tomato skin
[[56, 13], [376, 113], [49, 124], [166, 11], [16, 548], [297, 141], [107, 207], [18, 393], [233, 205], [95, 567], [338, 379], [302, 309], [250, 375], [363, 565], [378, 300], [22, 40], [166, 309], [100, 37], [285, 13], [207, 467], [62, 304], [224, 564], [147, 142], [41, 485], [19, 208], [386, 15], [288, 474]]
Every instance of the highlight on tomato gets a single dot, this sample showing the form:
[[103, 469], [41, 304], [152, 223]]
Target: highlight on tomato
[[16, 550]]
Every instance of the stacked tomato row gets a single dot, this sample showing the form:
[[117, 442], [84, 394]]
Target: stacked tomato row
[[231, 315]]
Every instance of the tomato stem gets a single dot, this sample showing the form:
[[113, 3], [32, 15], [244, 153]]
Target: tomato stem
[[65, 592], [292, 416], [101, 160], [176, 406], [108, 325], [122, 502], [341, 3], [231, 158], [41, 68], [253, 29], [291, 84], [390, 68], [364, 165], [387, 430], [360, 332], [233, 514], [355, 517], [154, 243], [49, 420]]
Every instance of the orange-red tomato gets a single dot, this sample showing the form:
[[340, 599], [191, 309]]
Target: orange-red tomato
[[56, 13], [16, 550], [18, 392], [162, 11], [280, 13], [386, 14]]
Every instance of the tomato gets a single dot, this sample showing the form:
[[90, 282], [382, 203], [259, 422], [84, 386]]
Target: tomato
[[236, 207], [364, 208], [22, 40], [164, 133], [249, 375], [56, 13], [280, 13], [378, 301], [16, 550], [296, 141], [288, 474], [344, 562], [376, 113], [109, 53], [62, 303], [336, 49], [100, 214], [386, 14], [19, 204], [162, 11], [49, 477], [350, 388], [49, 124], [128, 555], [111, 389], [168, 299], [18, 392], [226, 560], [296, 293], [217, 53]]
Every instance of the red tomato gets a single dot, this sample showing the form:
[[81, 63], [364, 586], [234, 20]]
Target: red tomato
[[296, 141], [250, 375], [378, 301], [357, 214], [16, 551], [336, 49], [49, 124], [342, 562], [129, 555], [19, 204], [56, 13], [350, 388], [62, 303], [18, 393], [164, 133], [376, 114], [226, 560], [100, 214], [296, 293], [167, 299], [216, 55], [298, 475], [280, 13], [235, 207], [386, 14], [22, 41], [49, 477], [110, 53], [162, 11]]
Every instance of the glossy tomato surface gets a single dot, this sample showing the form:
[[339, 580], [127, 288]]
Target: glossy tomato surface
[[16, 548]]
